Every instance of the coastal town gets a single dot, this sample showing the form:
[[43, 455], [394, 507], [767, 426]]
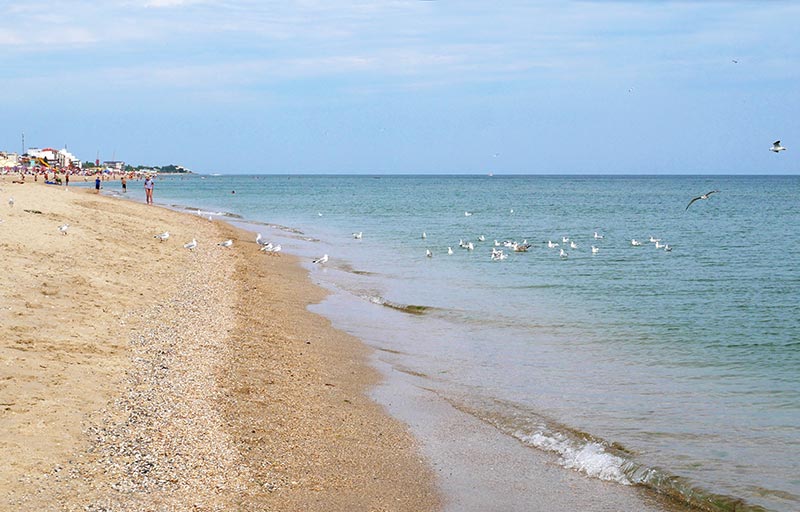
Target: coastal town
[[56, 166]]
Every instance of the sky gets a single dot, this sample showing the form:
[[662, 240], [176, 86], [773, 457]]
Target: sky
[[407, 86]]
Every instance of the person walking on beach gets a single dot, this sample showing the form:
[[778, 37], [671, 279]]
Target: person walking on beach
[[66, 179], [97, 184], [148, 189], [124, 185]]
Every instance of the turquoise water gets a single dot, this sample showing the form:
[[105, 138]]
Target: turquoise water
[[677, 370]]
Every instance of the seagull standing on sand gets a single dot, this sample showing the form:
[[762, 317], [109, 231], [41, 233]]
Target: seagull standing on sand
[[260, 241], [226, 243], [704, 196], [11, 201], [776, 147], [319, 261], [162, 236], [191, 245], [63, 228]]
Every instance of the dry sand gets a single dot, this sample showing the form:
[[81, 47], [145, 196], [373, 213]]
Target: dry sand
[[138, 375]]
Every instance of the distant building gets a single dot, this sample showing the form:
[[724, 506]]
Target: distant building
[[8, 160], [55, 157], [114, 164]]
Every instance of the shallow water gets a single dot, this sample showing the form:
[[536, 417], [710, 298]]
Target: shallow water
[[674, 369]]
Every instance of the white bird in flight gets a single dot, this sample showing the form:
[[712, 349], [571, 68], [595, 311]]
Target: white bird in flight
[[226, 243], [776, 147], [704, 196], [191, 245], [319, 261], [162, 236]]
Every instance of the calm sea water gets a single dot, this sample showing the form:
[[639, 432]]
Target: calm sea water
[[678, 370]]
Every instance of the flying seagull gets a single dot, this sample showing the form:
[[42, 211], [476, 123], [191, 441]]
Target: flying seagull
[[776, 147], [704, 196]]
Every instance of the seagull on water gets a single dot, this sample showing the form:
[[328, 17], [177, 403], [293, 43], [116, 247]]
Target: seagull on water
[[635, 242], [704, 196], [776, 147], [467, 214], [449, 251], [162, 236], [191, 245], [598, 236], [226, 243], [573, 245], [424, 236], [63, 228], [563, 254], [319, 261], [551, 244], [428, 253], [595, 250], [358, 235]]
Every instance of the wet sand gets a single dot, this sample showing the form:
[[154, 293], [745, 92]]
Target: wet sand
[[138, 375]]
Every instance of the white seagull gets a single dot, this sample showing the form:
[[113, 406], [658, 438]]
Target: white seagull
[[573, 245], [424, 236], [358, 235], [467, 214], [63, 228], [276, 249], [704, 196], [10, 201], [162, 236], [449, 251], [428, 253], [776, 147], [191, 245], [597, 236], [319, 261], [635, 242], [595, 250], [260, 241], [551, 245], [267, 247], [563, 254], [226, 243]]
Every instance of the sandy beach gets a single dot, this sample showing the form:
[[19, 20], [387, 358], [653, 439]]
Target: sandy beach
[[138, 375]]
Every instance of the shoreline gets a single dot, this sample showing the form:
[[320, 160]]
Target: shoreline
[[444, 452], [264, 406]]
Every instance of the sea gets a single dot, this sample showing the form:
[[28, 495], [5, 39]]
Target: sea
[[677, 370]]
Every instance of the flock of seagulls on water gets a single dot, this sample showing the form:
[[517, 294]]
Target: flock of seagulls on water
[[497, 253]]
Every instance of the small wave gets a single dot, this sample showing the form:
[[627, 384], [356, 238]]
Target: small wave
[[202, 212], [597, 458], [413, 309]]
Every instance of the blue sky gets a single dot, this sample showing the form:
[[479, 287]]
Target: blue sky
[[407, 86]]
